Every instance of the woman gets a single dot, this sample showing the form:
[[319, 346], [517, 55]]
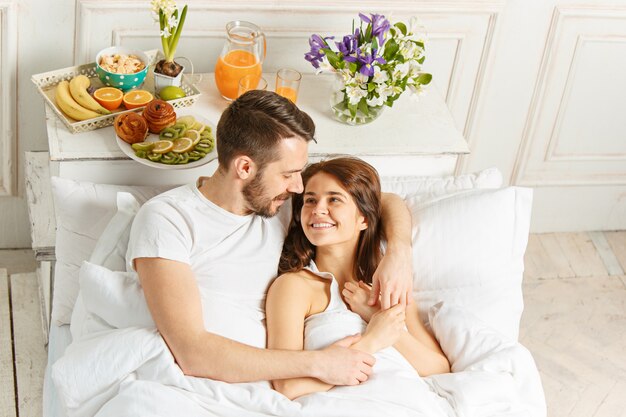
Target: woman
[[333, 249]]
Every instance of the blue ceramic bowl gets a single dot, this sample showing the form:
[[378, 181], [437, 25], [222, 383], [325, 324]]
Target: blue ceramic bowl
[[124, 82]]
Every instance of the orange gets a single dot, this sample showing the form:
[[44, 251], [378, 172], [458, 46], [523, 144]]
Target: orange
[[109, 97], [137, 98]]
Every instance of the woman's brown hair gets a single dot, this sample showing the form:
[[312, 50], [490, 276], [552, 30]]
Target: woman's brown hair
[[361, 181]]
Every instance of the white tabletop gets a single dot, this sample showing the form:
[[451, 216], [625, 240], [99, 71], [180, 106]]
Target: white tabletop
[[410, 127]]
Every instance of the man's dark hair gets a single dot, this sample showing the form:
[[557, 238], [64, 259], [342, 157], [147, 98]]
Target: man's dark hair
[[255, 123]]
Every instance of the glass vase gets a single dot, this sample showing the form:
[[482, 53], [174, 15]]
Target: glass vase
[[341, 112]]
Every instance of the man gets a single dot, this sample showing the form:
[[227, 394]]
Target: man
[[206, 253]]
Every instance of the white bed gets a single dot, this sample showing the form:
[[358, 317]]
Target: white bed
[[60, 338], [469, 238]]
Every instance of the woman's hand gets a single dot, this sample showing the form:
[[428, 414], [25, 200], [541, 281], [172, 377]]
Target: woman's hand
[[384, 328], [357, 296]]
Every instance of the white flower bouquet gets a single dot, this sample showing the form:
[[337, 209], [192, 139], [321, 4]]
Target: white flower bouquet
[[375, 65]]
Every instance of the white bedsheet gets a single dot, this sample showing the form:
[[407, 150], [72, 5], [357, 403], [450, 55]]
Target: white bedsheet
[[124, 368], [58, 341]]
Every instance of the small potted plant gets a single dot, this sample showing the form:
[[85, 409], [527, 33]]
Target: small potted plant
[[167, 71]]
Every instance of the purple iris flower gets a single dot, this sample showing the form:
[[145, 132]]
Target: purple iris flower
[[367, 63], [316, 54], [348, 45], [380, 26]]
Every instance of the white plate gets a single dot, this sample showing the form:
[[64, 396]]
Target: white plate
[[126, 148]]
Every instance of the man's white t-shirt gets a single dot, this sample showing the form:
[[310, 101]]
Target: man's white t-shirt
[[234, 258]]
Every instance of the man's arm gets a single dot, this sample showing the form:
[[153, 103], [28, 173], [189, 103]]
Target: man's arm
[[393, 279], [173, 298]]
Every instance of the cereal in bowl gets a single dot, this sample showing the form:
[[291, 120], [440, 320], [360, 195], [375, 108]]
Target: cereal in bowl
[[121, 63]]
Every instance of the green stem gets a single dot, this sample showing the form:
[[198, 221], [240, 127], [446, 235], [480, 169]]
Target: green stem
[[174, 41], [166, 49]]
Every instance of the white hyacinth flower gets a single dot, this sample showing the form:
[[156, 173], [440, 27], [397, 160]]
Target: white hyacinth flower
[[165, 33], [355, 94], [167, 7], [172, 22]]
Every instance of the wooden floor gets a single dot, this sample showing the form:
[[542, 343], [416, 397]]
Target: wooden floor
[[574, 323], [22, 350]]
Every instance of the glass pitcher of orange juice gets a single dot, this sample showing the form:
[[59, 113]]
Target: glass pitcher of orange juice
[[243, 54]]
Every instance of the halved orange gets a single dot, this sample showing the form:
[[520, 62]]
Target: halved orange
[[109, 97], [137, 98]]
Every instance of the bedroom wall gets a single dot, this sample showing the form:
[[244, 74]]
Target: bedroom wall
[[535, 85]]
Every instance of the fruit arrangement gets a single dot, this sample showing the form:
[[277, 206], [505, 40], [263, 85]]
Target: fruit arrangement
[[181, 140], [75, 100]]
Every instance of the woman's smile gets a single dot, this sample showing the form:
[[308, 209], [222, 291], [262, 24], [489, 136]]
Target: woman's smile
[[322, 225]]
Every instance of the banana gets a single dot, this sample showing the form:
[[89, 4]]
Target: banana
[[78, 90], [70, 107]]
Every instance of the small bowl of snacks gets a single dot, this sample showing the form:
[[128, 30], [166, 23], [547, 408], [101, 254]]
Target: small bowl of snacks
[[121, 68]]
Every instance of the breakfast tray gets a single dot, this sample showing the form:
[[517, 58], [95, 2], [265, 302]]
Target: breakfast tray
[[47, 81]]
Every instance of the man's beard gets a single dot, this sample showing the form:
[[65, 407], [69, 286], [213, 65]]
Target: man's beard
[[255, 194]]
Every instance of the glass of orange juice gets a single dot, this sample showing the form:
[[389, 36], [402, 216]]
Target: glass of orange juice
[[251, 82], [288, 83], [243, 54]]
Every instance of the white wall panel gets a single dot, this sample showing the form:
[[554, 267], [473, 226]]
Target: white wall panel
[[8, 65], [576, 129]]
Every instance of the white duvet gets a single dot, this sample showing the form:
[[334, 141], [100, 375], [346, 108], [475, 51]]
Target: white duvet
[[118, 365]]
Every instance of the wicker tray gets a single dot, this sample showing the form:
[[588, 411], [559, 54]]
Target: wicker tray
[[47, 81]]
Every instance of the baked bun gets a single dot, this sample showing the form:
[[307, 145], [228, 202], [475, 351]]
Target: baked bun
[[159, 114], [131, 127]]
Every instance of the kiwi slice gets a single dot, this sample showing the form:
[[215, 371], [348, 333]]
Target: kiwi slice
[[187, 121], [169, 133], [142, 146]]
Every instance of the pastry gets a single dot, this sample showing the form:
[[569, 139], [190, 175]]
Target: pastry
[[131, 127], [159, 114]]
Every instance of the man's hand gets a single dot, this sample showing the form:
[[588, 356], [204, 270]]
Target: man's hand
[[393, 279], [340, 365]]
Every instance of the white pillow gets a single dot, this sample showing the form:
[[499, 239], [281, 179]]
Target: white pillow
[[114, 296], [468, 250], [110, 252], [430, 187], [83, 210]]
